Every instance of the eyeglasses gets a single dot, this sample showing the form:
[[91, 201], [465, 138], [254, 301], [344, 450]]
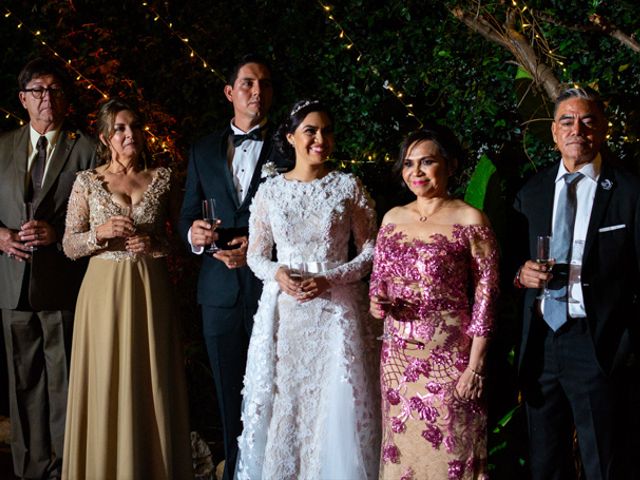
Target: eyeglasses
[[39, 92]]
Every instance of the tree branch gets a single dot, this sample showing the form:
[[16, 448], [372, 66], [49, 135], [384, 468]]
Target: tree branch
[[598, 24], [609, 28], [516, 43]]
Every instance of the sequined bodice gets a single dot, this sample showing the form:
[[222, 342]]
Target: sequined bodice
[[422, 277], [91, 205]]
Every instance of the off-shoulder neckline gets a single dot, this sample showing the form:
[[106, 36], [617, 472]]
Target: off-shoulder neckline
[[436, 237]]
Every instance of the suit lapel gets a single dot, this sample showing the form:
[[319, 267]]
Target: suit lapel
[[604, 191], [19, 159], [257, 172], [226, 168], [543, 201]]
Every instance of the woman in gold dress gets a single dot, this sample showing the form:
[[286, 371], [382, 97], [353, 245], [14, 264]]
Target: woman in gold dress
[[127, 415]]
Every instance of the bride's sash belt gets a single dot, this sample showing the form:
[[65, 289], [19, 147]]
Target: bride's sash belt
[[320, 267]]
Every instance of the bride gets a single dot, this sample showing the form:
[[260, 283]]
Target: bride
[[310, 409]]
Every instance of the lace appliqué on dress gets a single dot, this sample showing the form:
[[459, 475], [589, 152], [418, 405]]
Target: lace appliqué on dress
[[91, 205]]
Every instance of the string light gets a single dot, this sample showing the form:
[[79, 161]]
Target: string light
[[529, 22], [36, 34], [185, 40], [8, 114], [154, 139], [350, 45]]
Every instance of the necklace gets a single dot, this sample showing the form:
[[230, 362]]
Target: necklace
[[424, 218]]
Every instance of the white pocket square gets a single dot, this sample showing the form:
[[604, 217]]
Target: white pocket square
[[612, 227]]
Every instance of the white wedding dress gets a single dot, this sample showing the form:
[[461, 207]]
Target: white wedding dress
[[311, 408]]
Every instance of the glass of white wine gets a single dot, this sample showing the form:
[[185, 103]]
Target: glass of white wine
[[543, 257], [209, 215], [27, 216]]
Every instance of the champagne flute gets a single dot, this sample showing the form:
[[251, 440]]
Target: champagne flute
[[27, 216], [386, 302], [209, 216], [543, 252], [297, 272]]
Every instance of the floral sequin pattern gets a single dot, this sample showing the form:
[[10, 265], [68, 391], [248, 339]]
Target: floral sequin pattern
[[430, 326]]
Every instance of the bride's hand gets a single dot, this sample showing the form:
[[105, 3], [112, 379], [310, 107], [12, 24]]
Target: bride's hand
[[312, 288], [287, 284]]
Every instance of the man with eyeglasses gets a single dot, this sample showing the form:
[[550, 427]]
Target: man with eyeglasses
[[38, 284]]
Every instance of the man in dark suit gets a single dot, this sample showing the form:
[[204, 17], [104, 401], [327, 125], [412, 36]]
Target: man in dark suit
[[38, 284], [227, 166], [575, 351]]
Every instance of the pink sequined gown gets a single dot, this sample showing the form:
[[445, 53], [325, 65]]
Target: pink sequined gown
[[428, 432]]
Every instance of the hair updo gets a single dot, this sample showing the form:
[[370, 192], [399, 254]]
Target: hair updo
[[298, 113]]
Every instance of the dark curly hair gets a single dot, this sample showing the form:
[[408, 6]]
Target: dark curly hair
[[443, 137], [299, 111]]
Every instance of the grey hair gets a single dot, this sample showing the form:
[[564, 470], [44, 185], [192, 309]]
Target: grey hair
[[585, 93]]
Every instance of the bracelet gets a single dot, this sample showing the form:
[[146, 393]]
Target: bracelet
[[476, 373], [516, 281]]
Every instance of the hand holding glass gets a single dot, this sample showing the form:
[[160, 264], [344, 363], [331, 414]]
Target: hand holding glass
[[298, 273], [209, 216], [543, 257], [27, 216]]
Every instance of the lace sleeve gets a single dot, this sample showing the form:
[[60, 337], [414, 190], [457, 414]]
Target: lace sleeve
[[261, 238], [79, 238], [165, 191], [363, 227], [379, 274], [484, 267]]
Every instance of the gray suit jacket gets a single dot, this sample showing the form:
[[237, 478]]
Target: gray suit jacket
[[53, 279]]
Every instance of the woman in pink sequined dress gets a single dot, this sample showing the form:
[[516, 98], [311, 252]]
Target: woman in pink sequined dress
[[434, 282]]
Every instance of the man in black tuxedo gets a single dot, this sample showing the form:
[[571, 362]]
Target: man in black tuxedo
[[38, 284], [227, 166], [577, 339]]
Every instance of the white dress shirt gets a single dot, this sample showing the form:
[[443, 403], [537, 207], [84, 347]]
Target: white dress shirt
[[243, 164], [585, 194], [245, 159]]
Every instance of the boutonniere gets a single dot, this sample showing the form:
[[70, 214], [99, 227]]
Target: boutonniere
[[72, 135], [269, 169], [606, 184]]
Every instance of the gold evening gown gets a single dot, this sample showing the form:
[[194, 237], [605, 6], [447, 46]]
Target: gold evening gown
[[127, 414]]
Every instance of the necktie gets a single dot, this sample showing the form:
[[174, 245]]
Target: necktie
[[238, 138], [37, 168], [555, 304]]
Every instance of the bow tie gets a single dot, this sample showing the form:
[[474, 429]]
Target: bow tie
[[238, 138]]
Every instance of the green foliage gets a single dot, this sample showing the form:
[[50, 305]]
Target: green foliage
[[445, 70]]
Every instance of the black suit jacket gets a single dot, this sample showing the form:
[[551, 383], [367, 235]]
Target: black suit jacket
[[54, 280], [611, 263], [208, 176]]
